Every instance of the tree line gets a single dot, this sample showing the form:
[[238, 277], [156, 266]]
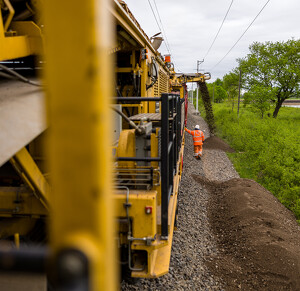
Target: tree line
[[270, 74]]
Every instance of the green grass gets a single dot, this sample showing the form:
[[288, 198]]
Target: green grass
[[267, 150]]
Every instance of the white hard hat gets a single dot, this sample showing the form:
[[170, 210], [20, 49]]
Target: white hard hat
[[197, 126]]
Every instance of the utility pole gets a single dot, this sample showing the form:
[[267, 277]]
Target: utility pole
[[197, 99], [198, 66], [238, 110], [192, 93]]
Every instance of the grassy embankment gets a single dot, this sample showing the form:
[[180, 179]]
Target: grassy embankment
[[267, 150]]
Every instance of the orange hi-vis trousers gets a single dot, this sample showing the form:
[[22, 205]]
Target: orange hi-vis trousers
[[197, 150]]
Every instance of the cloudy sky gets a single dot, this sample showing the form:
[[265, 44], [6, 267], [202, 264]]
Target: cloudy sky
[[191, 26]]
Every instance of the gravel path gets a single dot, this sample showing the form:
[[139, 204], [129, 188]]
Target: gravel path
[[193, 242]]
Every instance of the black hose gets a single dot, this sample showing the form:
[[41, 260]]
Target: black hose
[[138, 84], [155, 79]]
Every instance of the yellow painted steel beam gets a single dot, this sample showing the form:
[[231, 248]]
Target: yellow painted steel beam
[[79, 79], [19, 201], [27, 41], [34, 34], [31, 174], [14, 47]]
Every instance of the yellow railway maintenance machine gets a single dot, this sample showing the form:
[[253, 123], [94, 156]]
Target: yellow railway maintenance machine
[[149, 149], [115, 163]]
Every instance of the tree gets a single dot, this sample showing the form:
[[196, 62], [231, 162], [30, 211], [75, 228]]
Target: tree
[[275, 66], [231, 85], [259, 99], [216, 91], [220, 94], [218, 82]]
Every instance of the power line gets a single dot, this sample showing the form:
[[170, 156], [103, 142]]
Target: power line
[[241, 36], [166, 42], [168, 49], [218, 30], [163, 30], [154, 15]]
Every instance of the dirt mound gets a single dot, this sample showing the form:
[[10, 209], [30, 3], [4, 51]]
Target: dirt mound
[[215, 143], [257, 237]]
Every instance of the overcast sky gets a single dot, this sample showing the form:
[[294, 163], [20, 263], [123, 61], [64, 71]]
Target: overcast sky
[[191, 26]]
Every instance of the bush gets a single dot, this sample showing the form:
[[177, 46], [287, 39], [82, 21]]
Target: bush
[[267, 150]]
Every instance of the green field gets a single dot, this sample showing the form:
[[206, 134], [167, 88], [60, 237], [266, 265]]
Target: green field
[[267, 150]]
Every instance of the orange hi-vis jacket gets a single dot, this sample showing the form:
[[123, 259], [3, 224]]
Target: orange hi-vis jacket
[[198, 136]]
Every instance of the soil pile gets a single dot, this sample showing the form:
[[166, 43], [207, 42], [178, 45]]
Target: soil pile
[[257, 237], [215, 143]]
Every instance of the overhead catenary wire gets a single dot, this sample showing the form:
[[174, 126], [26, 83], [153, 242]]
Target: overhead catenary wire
[[154, 16], [218, 30], [240, 36], [161, 28]]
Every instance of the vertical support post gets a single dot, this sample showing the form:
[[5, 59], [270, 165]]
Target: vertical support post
[[164, 165], [238, 110], [193, 93], [197, 98], [79, 95]]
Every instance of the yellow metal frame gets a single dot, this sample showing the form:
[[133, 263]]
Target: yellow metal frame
[[144, 225], [24, 39], [79, 78], [20, 201], [10, 15], [31, 174], [138, 200], [159, 252]]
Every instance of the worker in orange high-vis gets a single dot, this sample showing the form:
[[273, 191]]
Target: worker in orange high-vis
[[198, 138]]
